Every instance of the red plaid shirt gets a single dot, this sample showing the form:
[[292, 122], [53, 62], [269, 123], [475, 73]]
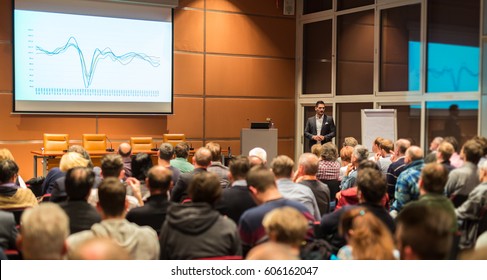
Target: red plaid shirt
[[328, 170]]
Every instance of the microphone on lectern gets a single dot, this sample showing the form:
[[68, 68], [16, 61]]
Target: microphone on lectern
[[111, 147]]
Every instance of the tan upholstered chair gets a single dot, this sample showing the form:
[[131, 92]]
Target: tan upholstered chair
[[95, 142], [173, 139], [141, 144], [56, 142]]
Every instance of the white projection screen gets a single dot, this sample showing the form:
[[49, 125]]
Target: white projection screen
[[92, 57]]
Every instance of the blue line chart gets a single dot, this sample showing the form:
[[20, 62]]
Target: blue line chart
[[88, 73]]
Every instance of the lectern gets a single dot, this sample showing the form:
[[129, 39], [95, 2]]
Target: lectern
[[264, 138]]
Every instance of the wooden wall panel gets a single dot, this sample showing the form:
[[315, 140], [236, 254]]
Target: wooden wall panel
[[268, 8], [6, 83], [5, 20], [239, 113], [244, 76], [250, 35], [187, 118], [124, 127], [188, 74], [199, 4], [285, 147], [24, 158], [188, 30]]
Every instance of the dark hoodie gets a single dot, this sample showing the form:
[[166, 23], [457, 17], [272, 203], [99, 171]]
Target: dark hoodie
[[196, 230]]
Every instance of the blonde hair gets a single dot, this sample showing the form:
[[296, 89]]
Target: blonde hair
[[369, 238], [286, 225], [72, 159], [44, 231], [6, 154], [317, 149]]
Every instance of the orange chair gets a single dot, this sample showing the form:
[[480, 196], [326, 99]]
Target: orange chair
[[56, 142], [95, 142], [173, 139], [141, 144]]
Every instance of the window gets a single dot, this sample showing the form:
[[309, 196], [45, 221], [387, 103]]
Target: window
[[408, 122], [313, 6], [317, 57], [348, 4], [348, 121]]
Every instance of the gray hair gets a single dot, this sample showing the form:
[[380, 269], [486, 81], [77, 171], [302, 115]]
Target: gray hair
[[360, 152]]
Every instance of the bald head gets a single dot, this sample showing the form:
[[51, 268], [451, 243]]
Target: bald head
[[414, 153], [159, 179], [125, 150], [100, 248], [401, 146], [202, 157]]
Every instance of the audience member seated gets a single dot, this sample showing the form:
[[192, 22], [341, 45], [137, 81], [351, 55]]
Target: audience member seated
[[462, 180], [359, 154], [82, 215], [236, 197], [201, 161], [306, 175], [125, 151], [271, 251], [282, 167], [483, 142], [397, 166], [153, 213], [407, 183], [328, 166], [375, 154], [100, 248], [181, 161], [455, 159], [317, 150], [165, 154], [216, 165], [386, 149], [8, 230], [195, 229], [6, 154], [367, 236], [43, 233], [68, 160], [12, 196], [443, 155], [371, 189], [262, 186], [345, 159], [433, 149], [423, 233], [141, 163], [140, 242], [285, 226], [259, 153]]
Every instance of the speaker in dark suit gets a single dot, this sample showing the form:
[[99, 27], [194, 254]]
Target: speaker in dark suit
[[328, 129]]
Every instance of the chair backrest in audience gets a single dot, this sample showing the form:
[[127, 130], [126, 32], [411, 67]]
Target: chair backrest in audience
[[140, 144], [173, 138], [95, 142], [56, 142]]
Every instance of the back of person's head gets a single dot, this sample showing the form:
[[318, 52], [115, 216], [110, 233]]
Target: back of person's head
[[452, 140], [368, 164], [82, 151], [329, 152], [6, 154], [99, 248], [259, 152], [159, 178], [483, 142], [371, 184], [402, 145], [367, 235], [111, 195], [472, 151], [78, 182], [239, 167], [282, 166], [72, 159], [261, 178], [446, 149], [346, 153], [216, 151], [360, 152], [433, 177], [308, 162], [111, 165], [387, 145], [424, 232], [141, 163], [43, 232], [377, 141], [8, 170], [317, 149], [414, 153], [272, 251], [166, 151], [205, 187], [202, 157], [350, 142], [125, 150], [286, 225], [256, 161], [181, 150]]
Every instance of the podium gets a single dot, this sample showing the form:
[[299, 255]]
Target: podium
[[264, 138]]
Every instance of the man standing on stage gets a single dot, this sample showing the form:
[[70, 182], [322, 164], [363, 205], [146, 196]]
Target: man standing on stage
[[319, 128]]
